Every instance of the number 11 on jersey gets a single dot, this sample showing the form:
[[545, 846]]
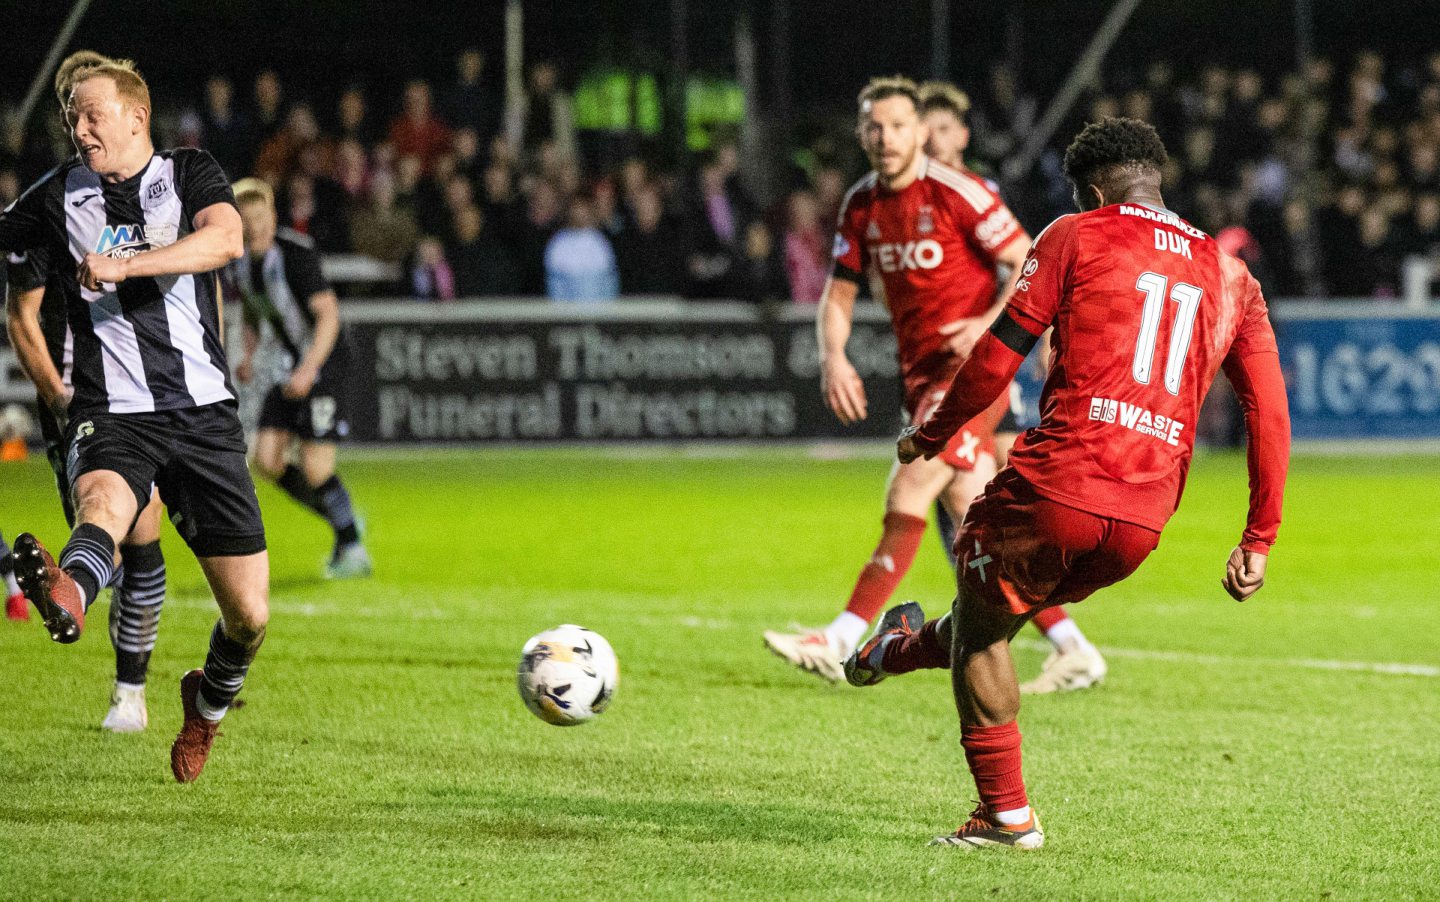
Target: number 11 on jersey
[[1187, 299]]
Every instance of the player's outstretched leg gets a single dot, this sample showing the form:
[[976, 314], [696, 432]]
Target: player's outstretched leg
[[241, 586], [822, 651], [1073, 664], [61, 593], [135, 623], [16, 608], [864, 666], [987, 697]]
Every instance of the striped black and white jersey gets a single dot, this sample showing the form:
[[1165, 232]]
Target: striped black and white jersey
[[147, 344], [276, 287]]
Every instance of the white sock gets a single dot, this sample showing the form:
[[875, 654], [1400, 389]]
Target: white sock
[[1066, 634], [12, 587], [1011, 818], [845, 632], [131, 687], [207, 712]]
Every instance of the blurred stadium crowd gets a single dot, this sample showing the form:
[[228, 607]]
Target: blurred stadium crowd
[[1323, 180]]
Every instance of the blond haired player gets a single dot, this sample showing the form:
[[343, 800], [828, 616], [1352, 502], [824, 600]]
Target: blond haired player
[[280, 285], [135, 237]]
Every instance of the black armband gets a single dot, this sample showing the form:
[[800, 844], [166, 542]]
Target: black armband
[[841, 271], [1013, 335]]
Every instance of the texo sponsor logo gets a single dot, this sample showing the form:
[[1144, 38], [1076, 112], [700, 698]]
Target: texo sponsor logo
[[890, 258]]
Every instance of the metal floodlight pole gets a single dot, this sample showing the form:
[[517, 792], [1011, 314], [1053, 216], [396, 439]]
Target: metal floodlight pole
[[940, 39], [1081, 76], [680, 78], [514, 51], [57, 47], [1304, 32]]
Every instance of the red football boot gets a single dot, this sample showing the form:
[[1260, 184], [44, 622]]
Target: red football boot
[[52, 591], [16, 607], [192, 746]]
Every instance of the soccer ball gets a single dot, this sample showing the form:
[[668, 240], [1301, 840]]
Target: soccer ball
[[567, 675]]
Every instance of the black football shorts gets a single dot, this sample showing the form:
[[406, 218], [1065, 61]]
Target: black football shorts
[[196, 457], [321, 416]]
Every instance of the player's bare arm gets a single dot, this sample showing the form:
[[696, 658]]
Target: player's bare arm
[[326, 307], [985, 374], [840, 384], [216, 241], [249, 345], [962, 334], [22, 322]]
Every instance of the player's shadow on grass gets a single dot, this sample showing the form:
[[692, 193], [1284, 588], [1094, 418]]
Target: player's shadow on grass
[[294, 581]]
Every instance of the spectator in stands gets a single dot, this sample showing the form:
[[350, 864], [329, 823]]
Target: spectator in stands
[[227, 131], [1422, 233], [352, 115], [310, 210], [380, 229], [759, 276], [466, 147], [279, 154], [716, 227], [579, 261], [651, 260], [417, 131], [471, 103], [481, 266], [807, 261], [351, 169], [430, 276], [498, 202], [542, 220], [542, 113], [269, 109]]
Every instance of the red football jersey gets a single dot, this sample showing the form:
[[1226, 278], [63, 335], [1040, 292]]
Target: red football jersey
[[933, 245], [1145, 308]]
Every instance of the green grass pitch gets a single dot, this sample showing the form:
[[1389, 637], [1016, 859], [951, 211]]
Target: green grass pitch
[[1236, 751]]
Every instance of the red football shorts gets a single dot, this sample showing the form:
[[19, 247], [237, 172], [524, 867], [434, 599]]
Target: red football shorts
[[975, 438], [1022, 552]]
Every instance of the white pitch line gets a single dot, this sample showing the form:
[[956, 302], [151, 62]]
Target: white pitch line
[[365, 612], [1186, 657]]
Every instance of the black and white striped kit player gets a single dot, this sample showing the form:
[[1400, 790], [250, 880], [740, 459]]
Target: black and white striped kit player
[[276, 288], [152, 398]]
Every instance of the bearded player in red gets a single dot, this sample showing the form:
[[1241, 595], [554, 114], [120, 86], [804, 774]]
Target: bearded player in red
[[1145, 310], [934, 235]]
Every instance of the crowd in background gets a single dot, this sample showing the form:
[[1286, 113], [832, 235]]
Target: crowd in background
[[471, 195]]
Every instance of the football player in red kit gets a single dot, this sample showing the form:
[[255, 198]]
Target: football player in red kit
[[1145, 310], [933, 237], [1074, 663]]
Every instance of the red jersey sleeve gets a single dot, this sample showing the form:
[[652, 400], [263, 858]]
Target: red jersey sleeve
[[849, 250], [982, 217], [1045, 276], [1253, 368]]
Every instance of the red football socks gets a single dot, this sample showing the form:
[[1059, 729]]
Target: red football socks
[[993, 754], [921, 650], [1048, 617], [898, 544]]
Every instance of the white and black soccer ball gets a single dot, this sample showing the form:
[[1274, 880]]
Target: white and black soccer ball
[[567, 675]]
